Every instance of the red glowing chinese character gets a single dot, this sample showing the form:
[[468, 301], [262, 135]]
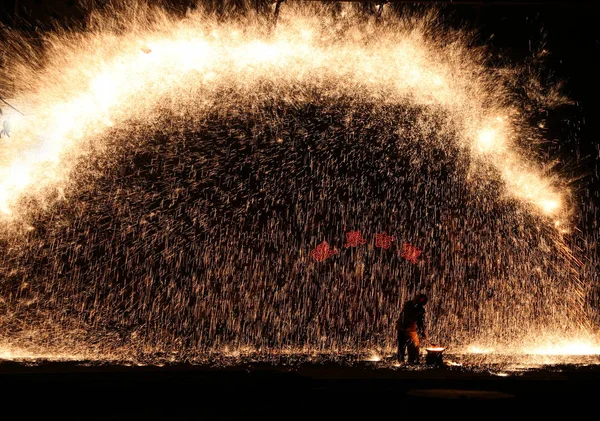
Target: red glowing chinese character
[[383, 240], [353, 239], [323, 251], [411, 253]]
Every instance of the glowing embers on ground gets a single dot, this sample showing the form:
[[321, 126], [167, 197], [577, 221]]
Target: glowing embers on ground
[[374, 357], [547, 345], [479, 350], [566, 347]]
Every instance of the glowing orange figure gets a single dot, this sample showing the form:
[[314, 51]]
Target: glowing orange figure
[[353, 239], [323, 251], [383, 240], [411, 253]]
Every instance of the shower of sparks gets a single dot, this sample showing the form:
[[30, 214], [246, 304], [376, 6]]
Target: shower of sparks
[[164, 188], [102, 79]]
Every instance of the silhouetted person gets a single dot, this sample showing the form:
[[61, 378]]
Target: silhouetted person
[[411, 326]]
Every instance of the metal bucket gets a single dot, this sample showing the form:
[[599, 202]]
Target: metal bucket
[[435, 356]]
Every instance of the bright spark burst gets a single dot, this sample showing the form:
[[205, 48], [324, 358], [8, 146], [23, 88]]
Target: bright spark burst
[[173, 253], [103, 79]]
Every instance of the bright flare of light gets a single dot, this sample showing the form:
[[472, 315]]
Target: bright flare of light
[[106, 79], [566, 347], [487, 140], [528, 185], [549, 206], [479, 350], [523, 181], [435, 349]]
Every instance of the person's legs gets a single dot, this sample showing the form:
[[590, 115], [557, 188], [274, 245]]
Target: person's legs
[[401, 346], [413, 347]]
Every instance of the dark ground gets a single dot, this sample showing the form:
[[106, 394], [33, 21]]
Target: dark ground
[[306, 391]]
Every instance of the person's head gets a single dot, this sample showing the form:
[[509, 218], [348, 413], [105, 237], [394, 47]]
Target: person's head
[[420, 299]]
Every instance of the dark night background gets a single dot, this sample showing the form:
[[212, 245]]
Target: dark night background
[[514, 32]]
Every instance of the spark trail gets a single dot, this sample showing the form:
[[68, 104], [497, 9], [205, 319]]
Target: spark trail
[[167, 179]]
